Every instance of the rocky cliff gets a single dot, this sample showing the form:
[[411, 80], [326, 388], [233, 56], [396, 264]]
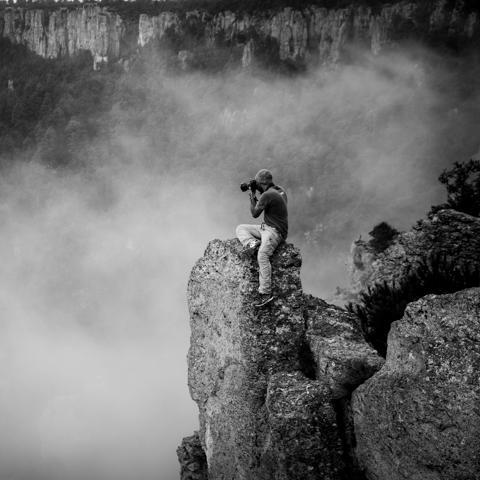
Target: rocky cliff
[[418, 418], [272, 385], [296, 36], [62, 31], [453, 234], [293, 390]]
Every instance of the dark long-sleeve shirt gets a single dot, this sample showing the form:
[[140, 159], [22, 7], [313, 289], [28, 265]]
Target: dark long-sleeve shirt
[[273, 204]]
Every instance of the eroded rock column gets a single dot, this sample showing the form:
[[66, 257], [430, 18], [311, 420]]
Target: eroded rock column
[[267, 381], [257, 409]]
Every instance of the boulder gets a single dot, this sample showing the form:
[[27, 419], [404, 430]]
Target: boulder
[[343, 359], [193, 464], [303, 440], [418, 418]]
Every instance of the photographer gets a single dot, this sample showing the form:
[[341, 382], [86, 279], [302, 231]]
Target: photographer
[[267, 236]]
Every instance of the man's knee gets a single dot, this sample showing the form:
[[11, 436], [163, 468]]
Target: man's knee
[[267, 248]]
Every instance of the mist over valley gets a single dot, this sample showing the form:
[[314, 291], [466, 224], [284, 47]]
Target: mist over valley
[[113, 182]]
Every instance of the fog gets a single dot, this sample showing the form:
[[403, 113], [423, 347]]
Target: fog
[[95, 260], [95, 325]]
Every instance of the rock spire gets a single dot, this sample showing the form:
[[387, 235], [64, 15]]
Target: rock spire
[[268, 382]]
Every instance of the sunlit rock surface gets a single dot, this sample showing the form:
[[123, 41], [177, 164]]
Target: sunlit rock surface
[[453, 234], [294, 36], [155, 27], [266, 409], [419, 417]]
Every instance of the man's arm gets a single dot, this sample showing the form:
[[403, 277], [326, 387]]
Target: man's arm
[[256, 207]]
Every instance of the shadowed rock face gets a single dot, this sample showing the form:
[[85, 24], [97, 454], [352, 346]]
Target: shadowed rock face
[[261, 417], [192, 459], [419, 417], [303, 440], [295, 36], [343, 359]]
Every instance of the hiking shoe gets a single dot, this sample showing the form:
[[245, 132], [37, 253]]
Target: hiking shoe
[[265, 299], [250, 248]]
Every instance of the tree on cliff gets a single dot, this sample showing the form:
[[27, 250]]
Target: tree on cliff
[[462, 182], [382, 236]]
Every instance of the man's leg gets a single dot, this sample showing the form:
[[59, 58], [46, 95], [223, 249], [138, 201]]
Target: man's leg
[[270, 241], [247, 233]]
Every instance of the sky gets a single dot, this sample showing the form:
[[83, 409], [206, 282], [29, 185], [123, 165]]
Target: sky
[[94, 328]]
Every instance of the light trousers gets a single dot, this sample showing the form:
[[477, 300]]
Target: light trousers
[[270, 240]]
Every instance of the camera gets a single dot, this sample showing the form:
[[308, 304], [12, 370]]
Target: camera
[[251, 184]]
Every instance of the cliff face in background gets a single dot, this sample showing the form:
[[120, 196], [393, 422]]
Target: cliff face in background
[[294, 391], [54, 33], [297, 36]]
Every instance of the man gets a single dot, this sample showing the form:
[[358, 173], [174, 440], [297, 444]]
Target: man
[[268, 235]]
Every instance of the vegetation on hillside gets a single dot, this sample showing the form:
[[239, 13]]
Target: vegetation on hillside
[[382, 236], [49, 108], [383, 304], [462, 182]]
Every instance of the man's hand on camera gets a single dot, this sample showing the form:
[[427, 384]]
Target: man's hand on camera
[[253, 198]]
